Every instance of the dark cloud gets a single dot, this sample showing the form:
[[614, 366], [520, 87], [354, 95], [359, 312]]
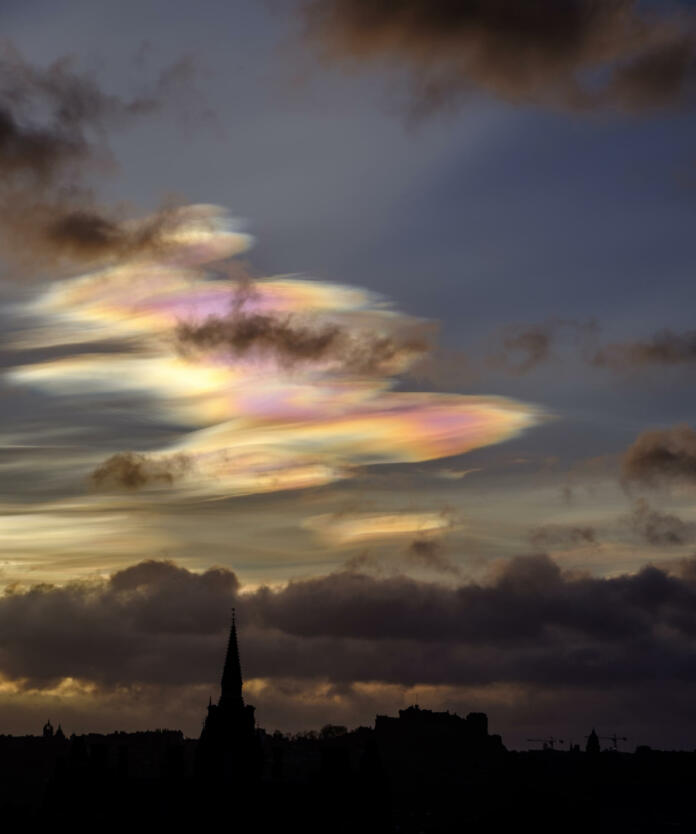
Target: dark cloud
[[525, 346], [134, 470], [156, 623], [535, 647], [76, 229], [430, 553], [290, 341], [658, 528], [54, 123], [661, 455], [578, 54], [147, 623], [664, 348], [558, 535]]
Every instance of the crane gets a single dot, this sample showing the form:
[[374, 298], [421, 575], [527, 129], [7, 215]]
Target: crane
[[614, 739], [548, 743]]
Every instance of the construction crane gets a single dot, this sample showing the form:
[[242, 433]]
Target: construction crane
[[548, 743], [614, 740]]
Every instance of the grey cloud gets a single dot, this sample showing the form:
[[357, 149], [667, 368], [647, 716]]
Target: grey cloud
[[134, 470], [156, 624], [664, 348], [525, 346], [149, 623], [660, 529], [291, 340], [54, 122], [430, 553], [555, 535], [661, 455], [580, 54]]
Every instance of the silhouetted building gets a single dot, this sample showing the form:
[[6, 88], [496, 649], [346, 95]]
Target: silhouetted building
[[422, 772], [592, 746], [229, 748]]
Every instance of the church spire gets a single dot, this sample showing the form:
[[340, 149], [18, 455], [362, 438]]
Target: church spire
[[231, 684]]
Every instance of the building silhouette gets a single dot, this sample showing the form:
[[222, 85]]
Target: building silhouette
[[421, 772], [592, 746], [229, 748]]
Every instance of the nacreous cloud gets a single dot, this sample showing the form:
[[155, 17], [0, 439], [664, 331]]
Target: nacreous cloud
[[286, 383]]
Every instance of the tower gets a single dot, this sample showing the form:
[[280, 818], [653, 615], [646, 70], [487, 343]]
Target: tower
[[592, 746], [231, 682], [228, 749]]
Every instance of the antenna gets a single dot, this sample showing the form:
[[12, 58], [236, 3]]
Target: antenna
[[614, 739]]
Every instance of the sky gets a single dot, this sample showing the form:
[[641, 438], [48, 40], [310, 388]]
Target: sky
[[373, 320]]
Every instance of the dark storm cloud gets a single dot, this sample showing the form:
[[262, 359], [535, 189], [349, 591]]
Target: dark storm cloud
[[290, 341], [54, 123], [155, 623], [134, 470], [579, 54], [660, 529], [558, 535], [660, 456]]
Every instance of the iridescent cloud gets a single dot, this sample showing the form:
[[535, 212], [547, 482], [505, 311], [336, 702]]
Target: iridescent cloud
[[345, 529], [258, 421]]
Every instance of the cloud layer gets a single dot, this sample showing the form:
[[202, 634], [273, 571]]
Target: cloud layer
[[156, 624]]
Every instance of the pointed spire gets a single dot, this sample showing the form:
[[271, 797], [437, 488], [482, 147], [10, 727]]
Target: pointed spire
[[231, 684]]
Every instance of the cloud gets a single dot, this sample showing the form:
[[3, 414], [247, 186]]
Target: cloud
[[526, 346], [558, 535], [347, 527], [429, 553], [284, 383], [581, 54], [352, 644], [290, 341], [664, 348], [54, 123], [660, 456], [660, 529], [133, 470], [156, 623]]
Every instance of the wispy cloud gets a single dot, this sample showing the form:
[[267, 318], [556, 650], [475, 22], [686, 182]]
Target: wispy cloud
[[54, 126]]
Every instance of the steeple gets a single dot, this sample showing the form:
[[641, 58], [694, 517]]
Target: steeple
[[592, 746], [229, 749], [231, 684]]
